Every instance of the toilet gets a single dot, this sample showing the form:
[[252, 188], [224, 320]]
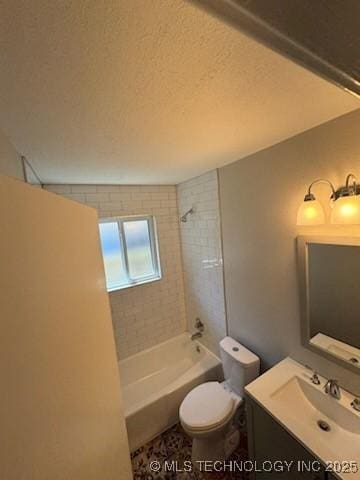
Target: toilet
[[208, 412]]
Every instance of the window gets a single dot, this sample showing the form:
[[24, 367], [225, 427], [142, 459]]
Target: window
[[130, 251]]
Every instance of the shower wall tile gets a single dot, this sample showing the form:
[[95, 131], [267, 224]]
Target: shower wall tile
[[144, 315], [202, 257]]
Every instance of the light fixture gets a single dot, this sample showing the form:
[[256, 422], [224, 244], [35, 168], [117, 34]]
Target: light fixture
[[311, 211], [346, 209], [345, 203]]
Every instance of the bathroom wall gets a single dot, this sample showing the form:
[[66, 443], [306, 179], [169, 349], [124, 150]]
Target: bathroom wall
[[143, 315], [61, 409], [259, 197], [10, 159], [202, 256]]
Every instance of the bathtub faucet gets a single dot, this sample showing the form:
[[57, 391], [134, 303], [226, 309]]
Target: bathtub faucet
[[196, 335], [199, 326]]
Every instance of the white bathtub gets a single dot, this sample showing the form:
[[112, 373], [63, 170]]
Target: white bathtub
[[155, 381]]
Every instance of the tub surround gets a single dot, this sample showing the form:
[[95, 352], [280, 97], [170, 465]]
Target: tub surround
[[155, 381], [144, 315], [202, 257]]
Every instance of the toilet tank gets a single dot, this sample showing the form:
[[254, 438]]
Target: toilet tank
[[240, 365]]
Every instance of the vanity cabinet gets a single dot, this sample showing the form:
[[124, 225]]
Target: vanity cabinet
[[270, 444]]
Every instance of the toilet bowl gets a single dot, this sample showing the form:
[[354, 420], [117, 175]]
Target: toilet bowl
[[208, 412], [206, 415]]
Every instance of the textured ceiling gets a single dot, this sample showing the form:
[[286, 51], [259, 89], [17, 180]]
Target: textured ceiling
[[145, 91], [322, 35]]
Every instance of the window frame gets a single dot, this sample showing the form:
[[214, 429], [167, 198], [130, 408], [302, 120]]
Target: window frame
[[154, 247]]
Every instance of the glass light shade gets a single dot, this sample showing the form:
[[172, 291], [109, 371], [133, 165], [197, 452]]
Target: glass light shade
[[346, 211], [311, 212]]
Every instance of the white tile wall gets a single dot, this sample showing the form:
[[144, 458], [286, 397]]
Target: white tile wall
[[143, 315], [202, 256]]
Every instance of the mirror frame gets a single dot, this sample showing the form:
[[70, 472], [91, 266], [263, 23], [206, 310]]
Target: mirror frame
[[302, 255]]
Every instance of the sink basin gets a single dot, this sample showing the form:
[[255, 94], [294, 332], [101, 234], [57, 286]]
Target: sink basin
[[328, 428], [298, 395]]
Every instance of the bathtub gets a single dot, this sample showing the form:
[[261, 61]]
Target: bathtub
[[155, 381]]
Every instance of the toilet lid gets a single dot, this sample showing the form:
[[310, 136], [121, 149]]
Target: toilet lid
[[206, 406]]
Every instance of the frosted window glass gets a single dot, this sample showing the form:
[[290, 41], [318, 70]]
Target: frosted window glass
[[112, 254], [130, 253], [138, 245]]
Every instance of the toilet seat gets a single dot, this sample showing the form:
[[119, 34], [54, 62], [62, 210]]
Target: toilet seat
[[206, 407]]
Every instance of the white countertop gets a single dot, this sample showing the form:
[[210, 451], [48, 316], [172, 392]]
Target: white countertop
[[287, 394]]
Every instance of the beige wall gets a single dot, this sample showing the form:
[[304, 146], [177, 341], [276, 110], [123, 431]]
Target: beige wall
[[10, 159], [202, 257], [148, 314], [61, 410], [259, 197]]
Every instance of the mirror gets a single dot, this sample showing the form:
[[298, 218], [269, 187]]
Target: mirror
[[330, 297]]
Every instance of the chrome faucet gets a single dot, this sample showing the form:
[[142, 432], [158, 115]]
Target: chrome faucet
[[199, 326], [333, 389], [356, 404], [315, 379], [196, 335]]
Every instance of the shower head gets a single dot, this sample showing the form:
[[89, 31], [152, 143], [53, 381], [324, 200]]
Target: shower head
[[184, 217]]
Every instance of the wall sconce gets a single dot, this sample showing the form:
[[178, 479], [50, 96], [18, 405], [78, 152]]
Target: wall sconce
[[311, 211], [345, 205], [346, 209]]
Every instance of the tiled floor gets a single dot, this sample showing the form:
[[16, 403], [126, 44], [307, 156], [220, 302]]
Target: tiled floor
[[174, 447]]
